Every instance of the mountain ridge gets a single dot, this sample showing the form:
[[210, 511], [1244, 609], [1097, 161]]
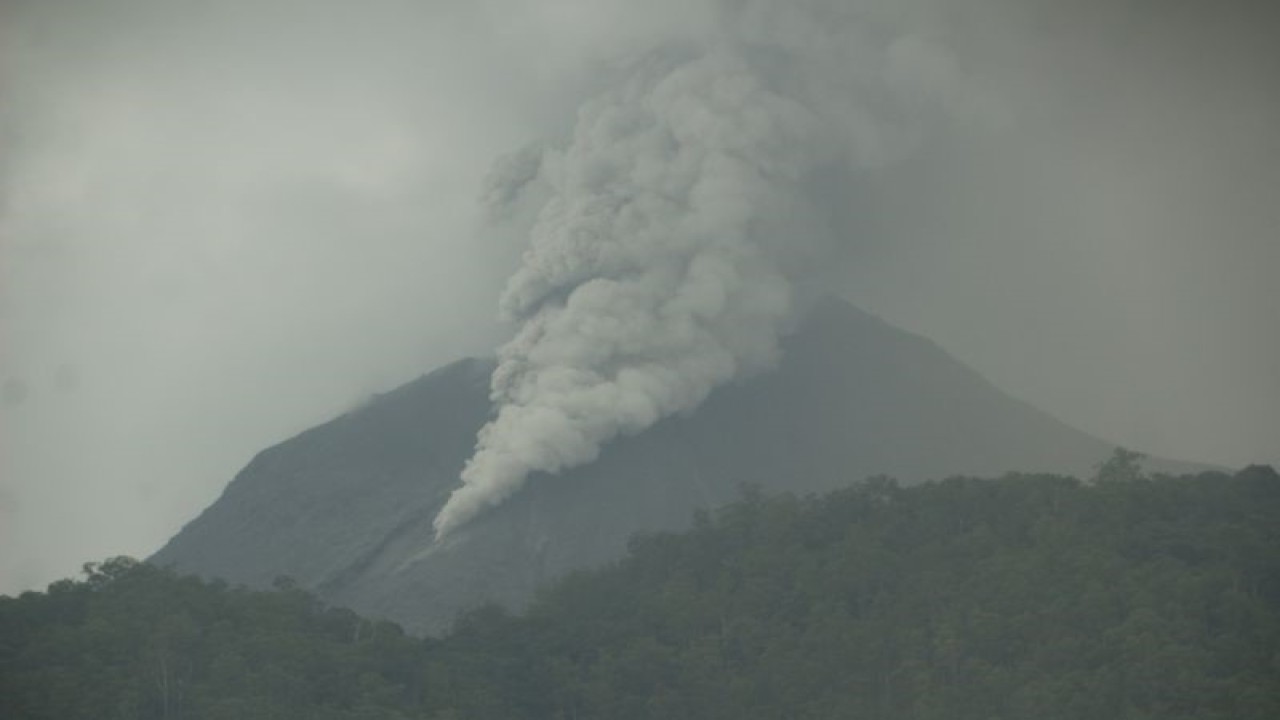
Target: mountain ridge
[[345, 508]]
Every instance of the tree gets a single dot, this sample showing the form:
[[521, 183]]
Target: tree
[[1124, 465]]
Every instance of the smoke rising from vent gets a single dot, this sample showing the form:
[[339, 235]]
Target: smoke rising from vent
[[665, 261]]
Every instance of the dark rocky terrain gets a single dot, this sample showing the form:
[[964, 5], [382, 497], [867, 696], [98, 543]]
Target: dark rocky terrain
[[345, 509]]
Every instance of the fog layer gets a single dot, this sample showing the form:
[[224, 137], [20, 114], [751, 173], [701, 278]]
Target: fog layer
[[222, 223]]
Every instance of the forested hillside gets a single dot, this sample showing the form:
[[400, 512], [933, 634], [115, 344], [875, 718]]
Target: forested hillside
[[1024, 597]]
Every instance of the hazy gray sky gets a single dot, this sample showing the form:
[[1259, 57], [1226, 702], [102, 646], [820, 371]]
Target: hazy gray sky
[[223, 222]]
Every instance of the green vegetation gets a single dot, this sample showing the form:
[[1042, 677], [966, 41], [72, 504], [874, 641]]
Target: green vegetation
[[1030, 596], [135, 641]]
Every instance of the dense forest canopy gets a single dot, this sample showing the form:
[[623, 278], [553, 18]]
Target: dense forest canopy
[[1028, 596]]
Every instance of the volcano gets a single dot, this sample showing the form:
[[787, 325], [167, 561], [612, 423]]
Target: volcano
[[345, 509]]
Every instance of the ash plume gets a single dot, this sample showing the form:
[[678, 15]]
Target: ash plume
[[667, 258]]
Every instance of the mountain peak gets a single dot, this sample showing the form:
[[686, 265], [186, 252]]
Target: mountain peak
[[346, 508]]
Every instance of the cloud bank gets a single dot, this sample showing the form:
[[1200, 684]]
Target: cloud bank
[[224, 222]]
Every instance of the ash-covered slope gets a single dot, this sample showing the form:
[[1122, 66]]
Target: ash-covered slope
[[346, 508]]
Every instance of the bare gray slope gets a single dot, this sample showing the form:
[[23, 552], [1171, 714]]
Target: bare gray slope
[[346, 508]]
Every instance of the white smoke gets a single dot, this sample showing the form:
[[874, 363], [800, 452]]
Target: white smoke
[[664, 263]]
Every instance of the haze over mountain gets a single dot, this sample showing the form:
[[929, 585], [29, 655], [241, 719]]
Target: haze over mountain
[[222, 223], [346, 508]]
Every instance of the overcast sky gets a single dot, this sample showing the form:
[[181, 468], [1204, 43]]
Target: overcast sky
[[224, 222]]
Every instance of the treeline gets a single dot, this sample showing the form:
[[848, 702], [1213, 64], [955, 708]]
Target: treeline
[[1030, 596]]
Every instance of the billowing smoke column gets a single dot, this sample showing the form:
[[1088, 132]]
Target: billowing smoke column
[[663, 263]]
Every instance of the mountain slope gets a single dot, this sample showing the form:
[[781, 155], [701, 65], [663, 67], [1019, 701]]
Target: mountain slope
[[346, 508], [1027, 596]]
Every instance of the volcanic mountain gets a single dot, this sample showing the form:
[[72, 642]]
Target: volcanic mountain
[[346, 508]]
